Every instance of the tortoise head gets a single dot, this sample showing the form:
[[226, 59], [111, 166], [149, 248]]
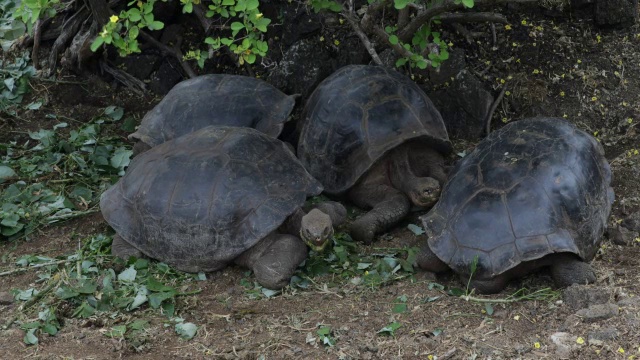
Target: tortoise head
[[316, 229], [424, 191]]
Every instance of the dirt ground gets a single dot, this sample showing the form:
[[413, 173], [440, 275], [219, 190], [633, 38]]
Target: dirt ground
[[553, 67]]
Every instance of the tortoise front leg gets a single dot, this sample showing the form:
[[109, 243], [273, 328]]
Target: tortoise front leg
[[274, 259], [389, 207], [567, 269]]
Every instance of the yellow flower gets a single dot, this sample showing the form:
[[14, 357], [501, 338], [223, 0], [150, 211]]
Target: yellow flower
[[341, 21], [629, 120], [580, 341], [536, 345], [114, 18], [598, 38], [259, 15], [523, 22], [534, 44], [565, 116], [536, 71], [539, 28], [514, 44], [450, 44], [501, 81], [507, 92], [595, 133], [430, 357], [504, 120], [321, 38], [594, 99], [579, 61], [561, 93], [507, 27], [336, 42], [516, 318], [621, 350]]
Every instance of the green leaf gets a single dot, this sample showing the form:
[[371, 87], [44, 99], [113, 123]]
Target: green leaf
[[84, 310], [116, 331], [50, 329], [390, 329], [401, 4], [30, 337], [488, 308], [401, 62], [156, 299], [134, 15], [237, 26], [252, 5], [65, 292], [324, 331], [417, 230], [128, 275], [468, 3], [157, 286], [399, 308], [186, 330], [156, 25], [393, 39]]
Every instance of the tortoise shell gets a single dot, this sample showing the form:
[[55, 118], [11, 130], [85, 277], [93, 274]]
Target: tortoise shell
[[216, 99], [356, 115], [535, 187], [202, 199]]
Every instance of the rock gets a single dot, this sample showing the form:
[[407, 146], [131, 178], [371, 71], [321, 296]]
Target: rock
[[449, 69], [302, 67], [565, 343], [581, 4], [579, 296], [629, 301], [166, 77], [464, 105], [602, 335], [172, 35], [616, 13], [598, 312], [632, 222], [621, 235], [6, 298], [140, 66]]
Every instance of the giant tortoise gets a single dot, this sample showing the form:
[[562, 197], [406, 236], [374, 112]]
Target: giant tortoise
[[374, 135], [216, 196], [535, 193], [214, 99]]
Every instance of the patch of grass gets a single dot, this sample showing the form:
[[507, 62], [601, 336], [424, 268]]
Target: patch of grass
[[54, 177]]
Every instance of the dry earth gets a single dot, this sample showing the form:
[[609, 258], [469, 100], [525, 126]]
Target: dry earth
[[557, 68]]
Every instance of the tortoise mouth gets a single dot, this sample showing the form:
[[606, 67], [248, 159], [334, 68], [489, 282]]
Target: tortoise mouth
[[316, 243], [426, 200]]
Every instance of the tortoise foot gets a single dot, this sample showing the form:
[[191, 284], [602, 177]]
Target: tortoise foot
[[571, 270], [489, 286], [428, 261], [363, 230], [275, 259], [122, 249]]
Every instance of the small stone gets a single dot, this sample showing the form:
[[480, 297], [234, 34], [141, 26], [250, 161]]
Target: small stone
[[620, 235], [629, 301], [632, 222], [598, 312], [6, 298], [602, 335], [579, 296], [564, 342]]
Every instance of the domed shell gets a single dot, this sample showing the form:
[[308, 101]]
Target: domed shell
[[535, 187], [216, 99], [356, 116], [200, 200]]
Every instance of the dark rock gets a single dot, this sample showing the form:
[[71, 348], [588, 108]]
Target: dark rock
[[632, 222], [167, 76], [579, 296], [620, 235], [449, 69], [464, 106], [6, 298], [603, 334], [301, 23], [617, 13], [172, 35], [139, 66], [629, 301], [302, 67], [166, 11], [598, 312], [581, 4]]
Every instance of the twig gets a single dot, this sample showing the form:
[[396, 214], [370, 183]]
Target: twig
[[446, 6], [9, 272], [473, 17], [493, 34], [494, 106], [363, 37], [37, 31], [536, 295]]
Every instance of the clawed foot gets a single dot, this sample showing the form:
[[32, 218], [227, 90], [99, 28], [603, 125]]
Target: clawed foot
[[362, 230]]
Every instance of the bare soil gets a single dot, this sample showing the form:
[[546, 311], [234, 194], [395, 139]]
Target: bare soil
[[552, 67]]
